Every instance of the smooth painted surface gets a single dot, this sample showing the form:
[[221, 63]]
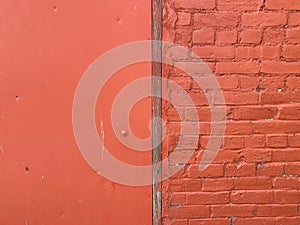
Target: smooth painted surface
[[45, 47]]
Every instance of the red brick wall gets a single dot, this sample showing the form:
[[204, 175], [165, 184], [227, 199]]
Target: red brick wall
[[253, 48]]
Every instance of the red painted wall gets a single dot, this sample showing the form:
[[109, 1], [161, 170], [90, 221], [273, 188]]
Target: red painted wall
[[45, 48], [253, 48]]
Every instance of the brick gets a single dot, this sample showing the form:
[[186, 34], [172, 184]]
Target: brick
[[194, 4], [287, 183], [214, 170], [249, 52], [287, 197], [183, 36], [212, 221], [293, 36], [273, 127], [280, 97], [293, 82], [259, 19], [179, 222], [252, 183], [271, 52], [202, 68], [287, 220], [256, 155], [233, 210], [227, 156], [240, 169], [203, 36], [294, 19], [181, 156], [191, 211], [183, 19], [294, 140], [291, 51], [214, 52], [233, 142], [253, 113], [285, 155], [225, 82], [273, 83], [226, 37], [250, 36], [249, 82], [273, 36], [199, 99], [177, 199], [214, 19], [283, 4], [239, 98], [258, 52], [239, 128], [203, 114], [255, 141], [290, 113], [207, 198], [239, 5], [174, 171], [173, 114], [276, 141], [280, 67], [292, 169], [252, 221], [228, 82], [276, 210], [237, 67], [181, 185], [221, 184], [270, 169], [251, 197]]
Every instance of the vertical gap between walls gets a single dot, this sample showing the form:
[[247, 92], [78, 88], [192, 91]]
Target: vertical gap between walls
[[156, 106]]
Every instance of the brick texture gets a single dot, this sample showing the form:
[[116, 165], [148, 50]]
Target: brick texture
[[253, 49]]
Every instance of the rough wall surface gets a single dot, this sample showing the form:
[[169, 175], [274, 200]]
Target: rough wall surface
[[253, 48]]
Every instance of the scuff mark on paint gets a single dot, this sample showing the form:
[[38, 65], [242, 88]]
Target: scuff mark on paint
[[102, 136], [1, 150]]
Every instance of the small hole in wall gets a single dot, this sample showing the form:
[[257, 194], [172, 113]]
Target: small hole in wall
[[17, 97], [55, 8], [27, 168]]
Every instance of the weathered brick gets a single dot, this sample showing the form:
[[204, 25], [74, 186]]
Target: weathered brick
[[291, 51], [216, 19], [258, 19], [250, 36], [293, 36], [226, 37], [252, 197], [194, 4], [239, 5], [283, 4], [183, 19], [214, 52], [203, 36], [280, 67], [238, 67]]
